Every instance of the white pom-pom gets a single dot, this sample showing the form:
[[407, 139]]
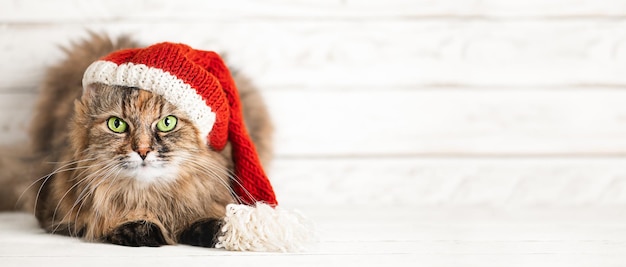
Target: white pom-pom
[[263, 228]]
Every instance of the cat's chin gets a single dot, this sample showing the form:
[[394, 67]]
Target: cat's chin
[[149, 174]]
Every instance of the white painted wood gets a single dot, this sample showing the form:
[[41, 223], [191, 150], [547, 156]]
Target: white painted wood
[[450, 122], [489, 182], [381, 236], [33, 11], [375, 55]]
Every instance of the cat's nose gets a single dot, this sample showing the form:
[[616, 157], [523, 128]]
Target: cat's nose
[[143, 152]]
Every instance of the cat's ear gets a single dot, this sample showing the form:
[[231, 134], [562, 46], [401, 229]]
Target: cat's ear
[[90, 91]]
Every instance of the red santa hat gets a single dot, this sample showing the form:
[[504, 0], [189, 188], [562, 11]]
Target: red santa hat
[[199, 83]]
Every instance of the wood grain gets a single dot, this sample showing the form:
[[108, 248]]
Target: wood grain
[[33, 11], [450, 122], [414, 182]]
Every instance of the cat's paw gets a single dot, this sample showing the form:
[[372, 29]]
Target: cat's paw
[[202, 233], [137, 234]]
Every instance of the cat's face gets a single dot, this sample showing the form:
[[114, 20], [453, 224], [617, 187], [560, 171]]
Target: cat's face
[[135, 135]]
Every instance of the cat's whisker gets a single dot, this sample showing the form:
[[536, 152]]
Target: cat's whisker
[[94, 188], [71, 209], [212, 169], [229, 175], [75, 185], [47, 177], [77, 176], [233, 178], [58, 170], [85, 192], [89, 189], [66, 193], [70, 161], [107, 178], [117, 174]]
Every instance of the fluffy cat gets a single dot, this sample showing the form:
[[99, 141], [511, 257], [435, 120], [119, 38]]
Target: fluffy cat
[[142, 187]]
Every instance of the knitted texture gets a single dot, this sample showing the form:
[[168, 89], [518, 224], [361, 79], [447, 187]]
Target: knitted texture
[[198, 83]]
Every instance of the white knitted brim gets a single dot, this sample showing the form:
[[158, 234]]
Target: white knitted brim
[[264, 228], [157, 81]]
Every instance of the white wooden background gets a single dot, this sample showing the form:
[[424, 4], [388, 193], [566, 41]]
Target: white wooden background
[[485, 104]]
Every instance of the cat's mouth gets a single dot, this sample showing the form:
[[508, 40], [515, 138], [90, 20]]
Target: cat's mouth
[[149, 170], [144, 165]]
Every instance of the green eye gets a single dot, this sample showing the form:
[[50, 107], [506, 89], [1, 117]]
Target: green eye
[[117, 125], [167, 124]]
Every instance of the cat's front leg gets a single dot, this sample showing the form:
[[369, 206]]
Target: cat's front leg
[[202, 233], [137, 234]]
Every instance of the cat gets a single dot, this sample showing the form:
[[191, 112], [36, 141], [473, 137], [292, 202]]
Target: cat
[[81, 179]]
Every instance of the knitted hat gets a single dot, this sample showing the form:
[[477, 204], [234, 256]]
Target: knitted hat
[[199, 83]]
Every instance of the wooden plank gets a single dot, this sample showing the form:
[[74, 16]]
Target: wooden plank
[[32, 11], [450, 122], [25, 248], [355, 55], [444, 122], [484, 259], [490, 182], [439, 236]]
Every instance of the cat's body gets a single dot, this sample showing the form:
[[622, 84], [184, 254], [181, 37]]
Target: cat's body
[[140, 187]]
